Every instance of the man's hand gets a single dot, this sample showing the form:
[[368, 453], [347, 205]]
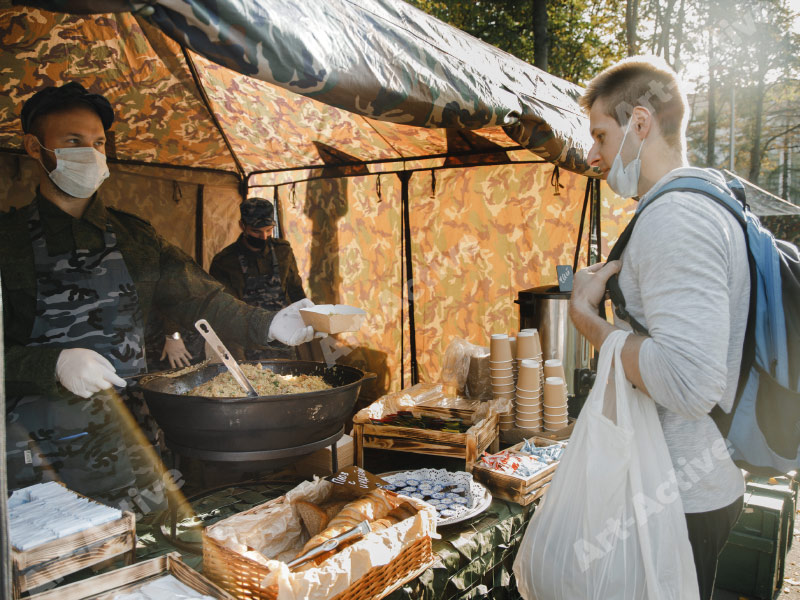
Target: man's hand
[[176, 351], [288, 327], [589, 285], [588, 291], [85, 372]]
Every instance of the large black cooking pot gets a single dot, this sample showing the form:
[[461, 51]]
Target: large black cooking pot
[[261, 427]]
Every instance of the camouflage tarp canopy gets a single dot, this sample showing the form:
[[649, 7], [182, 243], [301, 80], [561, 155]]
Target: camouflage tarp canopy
[[377, 83], [330, 104]]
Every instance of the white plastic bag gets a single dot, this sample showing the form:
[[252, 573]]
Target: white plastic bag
[[611, 525]]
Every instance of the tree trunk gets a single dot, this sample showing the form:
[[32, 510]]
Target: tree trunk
[[540, 41], [756, 151], [631, 25], [712, 105], [679, 36]]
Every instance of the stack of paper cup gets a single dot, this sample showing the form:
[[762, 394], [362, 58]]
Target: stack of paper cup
[[529, 396], [529, 347], [555, 404], [501, 367], [506, 421]]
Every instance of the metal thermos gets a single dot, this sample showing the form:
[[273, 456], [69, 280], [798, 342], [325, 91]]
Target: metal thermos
[[547, 309]]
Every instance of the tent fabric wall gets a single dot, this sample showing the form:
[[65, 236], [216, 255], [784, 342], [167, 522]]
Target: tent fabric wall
[[484, 234]]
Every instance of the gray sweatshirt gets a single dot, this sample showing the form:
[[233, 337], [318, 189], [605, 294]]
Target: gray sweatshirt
[[685, 277]]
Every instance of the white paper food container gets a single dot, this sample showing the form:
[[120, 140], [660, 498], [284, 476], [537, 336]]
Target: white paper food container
[[333, 318]]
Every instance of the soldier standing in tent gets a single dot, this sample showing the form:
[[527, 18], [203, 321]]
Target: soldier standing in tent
[[79, 281], [260, 269]]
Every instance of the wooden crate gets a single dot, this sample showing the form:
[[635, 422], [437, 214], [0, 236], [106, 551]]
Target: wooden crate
[[242, 576], [127, 579], [53, 560], [466, 446], [515, 489]]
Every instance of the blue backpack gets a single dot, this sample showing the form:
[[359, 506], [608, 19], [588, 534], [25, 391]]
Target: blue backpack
[[763, 427]]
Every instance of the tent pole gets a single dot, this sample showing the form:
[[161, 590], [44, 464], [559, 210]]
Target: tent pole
[[405, 177], [5, 542], [198, 226], [207, 102], [580, 227], [596, 201]]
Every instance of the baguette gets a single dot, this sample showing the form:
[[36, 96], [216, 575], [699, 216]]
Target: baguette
[[394, 516], [371, 507]]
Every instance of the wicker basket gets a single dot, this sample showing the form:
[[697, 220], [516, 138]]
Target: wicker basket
[[242, 577]]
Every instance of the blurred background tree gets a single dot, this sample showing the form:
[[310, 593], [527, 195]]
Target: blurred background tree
[[740, 60]]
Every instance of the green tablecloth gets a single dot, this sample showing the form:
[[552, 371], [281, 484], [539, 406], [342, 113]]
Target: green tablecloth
[[474, 557]]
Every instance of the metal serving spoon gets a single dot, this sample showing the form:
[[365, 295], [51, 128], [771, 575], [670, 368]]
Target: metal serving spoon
[[227, 359]]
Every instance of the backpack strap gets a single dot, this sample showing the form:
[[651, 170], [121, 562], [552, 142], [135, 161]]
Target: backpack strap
[[696, 185]]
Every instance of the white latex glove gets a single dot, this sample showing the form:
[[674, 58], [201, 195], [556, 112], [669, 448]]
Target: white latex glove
[[288, 327], [85, 372], [176, 351]]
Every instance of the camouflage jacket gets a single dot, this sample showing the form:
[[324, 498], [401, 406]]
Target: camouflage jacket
[[226, 269], [165, 277]]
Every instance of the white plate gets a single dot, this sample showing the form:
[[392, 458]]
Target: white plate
[[477, 496]]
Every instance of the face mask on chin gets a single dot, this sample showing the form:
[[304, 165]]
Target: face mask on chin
[[79, 172], [625, 180], [256, 242]]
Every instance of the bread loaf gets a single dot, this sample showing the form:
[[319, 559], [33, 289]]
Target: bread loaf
[[370, 507], [314, 517], [400, 513], [394, 516]]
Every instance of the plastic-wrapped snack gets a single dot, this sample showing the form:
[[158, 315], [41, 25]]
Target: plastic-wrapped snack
[[447, 513], [408, 489]]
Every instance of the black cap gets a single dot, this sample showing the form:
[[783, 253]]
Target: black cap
[[257, 212], [54, 98]]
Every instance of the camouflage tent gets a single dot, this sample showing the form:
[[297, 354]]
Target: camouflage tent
[[397, 148], [374, 68]]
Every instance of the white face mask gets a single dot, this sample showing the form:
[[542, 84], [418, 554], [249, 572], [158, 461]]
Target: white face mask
[[79, 171], [625, 180]]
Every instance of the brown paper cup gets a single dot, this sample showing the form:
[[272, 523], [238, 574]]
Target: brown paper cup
[[526, 345], [555, 414], [528, 423], [509, 387], [529, 413], [528, 376], [500, 348], [554, 368], [554, 392]]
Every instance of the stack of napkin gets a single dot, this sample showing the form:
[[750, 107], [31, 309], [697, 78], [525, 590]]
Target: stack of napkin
[[45, 512]]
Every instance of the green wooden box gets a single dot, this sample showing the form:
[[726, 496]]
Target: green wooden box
[[785, 489], [750, 562]]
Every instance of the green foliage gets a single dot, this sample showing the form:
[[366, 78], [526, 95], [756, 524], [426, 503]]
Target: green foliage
[[584, 35], [749, 45]]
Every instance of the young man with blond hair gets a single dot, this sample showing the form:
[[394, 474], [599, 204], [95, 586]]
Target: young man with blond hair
[[684, 275]]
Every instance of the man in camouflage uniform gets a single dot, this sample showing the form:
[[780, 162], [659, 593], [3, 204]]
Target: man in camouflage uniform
[[79, 281], [260, 269]]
